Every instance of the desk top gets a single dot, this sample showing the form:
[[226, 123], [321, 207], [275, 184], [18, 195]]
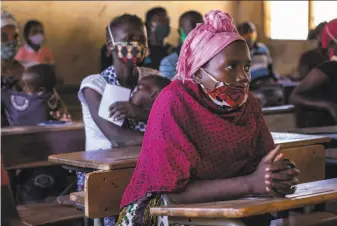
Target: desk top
[[316, 130], [18, 130], [115, 158], [278, 110], [290, 140], [127, 156], [306, 194]]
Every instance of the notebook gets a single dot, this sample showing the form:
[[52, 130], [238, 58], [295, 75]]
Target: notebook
[[112, 94]]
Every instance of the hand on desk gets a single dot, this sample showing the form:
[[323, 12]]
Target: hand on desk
[[274, 175]]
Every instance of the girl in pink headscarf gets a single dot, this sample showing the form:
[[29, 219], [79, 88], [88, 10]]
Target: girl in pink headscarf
[[206, 138], [316, 95]]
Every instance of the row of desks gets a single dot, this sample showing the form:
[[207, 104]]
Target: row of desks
[[117, 158], [115, 168]]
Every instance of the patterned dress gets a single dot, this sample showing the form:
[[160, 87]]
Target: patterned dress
[[96, 81]]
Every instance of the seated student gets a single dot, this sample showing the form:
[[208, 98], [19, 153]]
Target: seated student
[[316, 95], [206, 139], [34, 52], [32, 105], [158, 28], [261, 65], [124, 33], [312, 58], [187, 22]]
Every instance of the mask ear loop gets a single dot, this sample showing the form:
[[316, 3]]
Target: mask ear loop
[[112, 38], [329, 33]]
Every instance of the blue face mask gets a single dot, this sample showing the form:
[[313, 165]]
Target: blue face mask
[[9, 50]]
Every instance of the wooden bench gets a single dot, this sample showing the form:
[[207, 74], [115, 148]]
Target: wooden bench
[[218, 213], [281, 118], [33, 144]]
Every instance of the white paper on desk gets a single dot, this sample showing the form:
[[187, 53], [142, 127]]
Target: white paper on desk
[[111, 95]]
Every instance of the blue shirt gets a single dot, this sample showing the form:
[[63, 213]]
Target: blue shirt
[[261, 59], [168, 65]]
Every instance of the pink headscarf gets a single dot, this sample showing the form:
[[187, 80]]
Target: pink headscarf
[[204, 42], [329, 33]]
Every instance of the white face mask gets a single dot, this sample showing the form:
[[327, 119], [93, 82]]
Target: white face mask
[[37, 39]]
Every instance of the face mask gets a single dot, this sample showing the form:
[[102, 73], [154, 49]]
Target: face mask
[[252, 36], [183, 35], [37, 39], [226, 95], [9, 50], [161, 30], [132, 53]]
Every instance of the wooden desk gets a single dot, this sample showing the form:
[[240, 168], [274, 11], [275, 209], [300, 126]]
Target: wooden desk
[[118, 164], [280, 118], [306, 194], [291, 140], [327, 131], [116, 158], [127, 157], [23, 146]]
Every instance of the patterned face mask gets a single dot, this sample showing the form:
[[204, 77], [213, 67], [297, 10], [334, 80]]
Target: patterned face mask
[[132, 53], [226, 95], [9, 50]]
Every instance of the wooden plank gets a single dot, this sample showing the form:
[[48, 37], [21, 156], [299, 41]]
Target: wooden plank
[[310, 160], [126, 157], [306, 194], [23, 148], [280, 122], [104, 191], [115, 158], [20, 130], [44, 213], [315, 130], [32, 165], [278, 110], [290, 140], [315, 218]]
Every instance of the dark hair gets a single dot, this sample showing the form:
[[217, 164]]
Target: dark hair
[[312, 35], [194, 16], [125, 19], [28, 26], [152, 12], [160, 81], [246, 27], [46, 76]]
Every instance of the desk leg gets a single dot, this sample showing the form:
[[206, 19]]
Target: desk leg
[[205, 221]]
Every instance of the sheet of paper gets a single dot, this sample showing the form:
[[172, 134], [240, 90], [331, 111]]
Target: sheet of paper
[[111, 95]]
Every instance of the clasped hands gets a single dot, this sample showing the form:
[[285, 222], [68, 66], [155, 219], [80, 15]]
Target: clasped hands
[[274, 175]]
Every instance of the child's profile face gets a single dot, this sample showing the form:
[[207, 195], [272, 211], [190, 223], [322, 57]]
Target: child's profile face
[[146, 93]]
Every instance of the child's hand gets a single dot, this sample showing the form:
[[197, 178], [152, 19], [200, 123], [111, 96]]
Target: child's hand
[[119, 110]]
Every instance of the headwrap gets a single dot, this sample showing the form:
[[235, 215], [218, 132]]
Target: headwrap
[[7, 19], [329, 33], [204, 42]]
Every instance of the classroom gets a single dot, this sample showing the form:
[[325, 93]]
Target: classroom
[[168, 113]]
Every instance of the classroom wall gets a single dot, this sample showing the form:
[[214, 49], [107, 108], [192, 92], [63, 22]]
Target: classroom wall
[[75, 29]]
